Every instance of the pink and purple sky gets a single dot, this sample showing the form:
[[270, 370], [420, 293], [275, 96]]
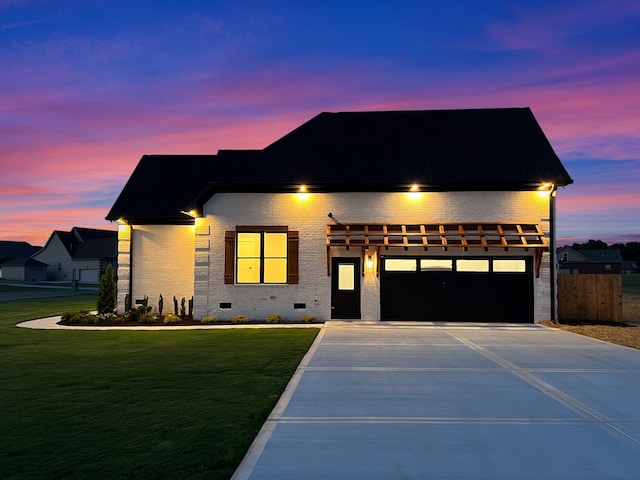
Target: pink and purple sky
[[89, 86]]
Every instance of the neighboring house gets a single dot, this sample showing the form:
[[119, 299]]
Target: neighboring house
[[402, 215], [10, 249], [606, 261], [630, 267], [24, 269], [81, 254]]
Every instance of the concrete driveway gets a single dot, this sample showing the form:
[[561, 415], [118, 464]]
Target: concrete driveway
[[454, 401]]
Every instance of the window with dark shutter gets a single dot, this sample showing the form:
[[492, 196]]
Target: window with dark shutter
[[292, 256], [261, 255], [229, 256]]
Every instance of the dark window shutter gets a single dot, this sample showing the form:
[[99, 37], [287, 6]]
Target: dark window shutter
[[229, 256], [292, 257]]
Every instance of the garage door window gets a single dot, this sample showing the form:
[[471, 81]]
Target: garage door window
[[400, 265], [436, 265], [472, 265], [509, 266]]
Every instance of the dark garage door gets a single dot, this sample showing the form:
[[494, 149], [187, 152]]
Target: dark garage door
[[456, 289]]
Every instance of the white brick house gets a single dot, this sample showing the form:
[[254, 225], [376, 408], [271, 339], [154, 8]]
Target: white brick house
[[420, 215]]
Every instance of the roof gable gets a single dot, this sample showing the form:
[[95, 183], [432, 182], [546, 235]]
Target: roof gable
[[86, 243]]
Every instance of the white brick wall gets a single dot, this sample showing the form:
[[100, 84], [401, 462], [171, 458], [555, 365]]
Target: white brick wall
[[308, 215], [162, 262]]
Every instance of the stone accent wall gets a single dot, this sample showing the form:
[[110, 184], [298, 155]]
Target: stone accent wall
[[124, 265], [308, 214]]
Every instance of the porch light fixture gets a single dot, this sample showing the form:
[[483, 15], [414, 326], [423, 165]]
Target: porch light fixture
[[303, 192], [414, 191], [545, 189], [191, 213], [369, 262], [369, 259]]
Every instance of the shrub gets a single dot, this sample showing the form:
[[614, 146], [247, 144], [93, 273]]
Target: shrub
[[106, 317], [307, 319], [240, 319], [160, 305], [135, 314], [208, 320], [274, 318], [148, 318], [107, 291], [171, 319], [82, 317]]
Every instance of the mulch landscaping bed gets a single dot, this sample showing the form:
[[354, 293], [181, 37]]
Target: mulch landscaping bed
[[186, 322], [618, 333]]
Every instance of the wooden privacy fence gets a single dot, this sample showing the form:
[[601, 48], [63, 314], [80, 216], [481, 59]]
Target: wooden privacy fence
[[590, 297]]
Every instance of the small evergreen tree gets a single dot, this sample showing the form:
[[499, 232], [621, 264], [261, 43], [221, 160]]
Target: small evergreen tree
[[107, 291]]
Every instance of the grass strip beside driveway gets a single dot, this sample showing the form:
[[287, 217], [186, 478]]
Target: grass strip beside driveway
[[123, 404]]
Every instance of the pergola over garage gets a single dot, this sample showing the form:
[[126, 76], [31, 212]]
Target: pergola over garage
[[443, 282]]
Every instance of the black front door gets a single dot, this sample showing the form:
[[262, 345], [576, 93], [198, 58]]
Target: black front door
[[345, 287]]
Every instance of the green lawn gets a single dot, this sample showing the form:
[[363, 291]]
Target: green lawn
[[631, 284], [4, 288], [122, 404]]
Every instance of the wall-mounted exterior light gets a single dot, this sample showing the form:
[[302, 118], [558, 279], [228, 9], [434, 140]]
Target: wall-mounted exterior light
[[191, 213], [546, 189], [303, 192], [414, 192], [370, 260]]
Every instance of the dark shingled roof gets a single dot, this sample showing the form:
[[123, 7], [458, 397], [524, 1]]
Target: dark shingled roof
[[161, 186], [24, 262], [610, 255], [484, 149], [88, 243], [13, 249]]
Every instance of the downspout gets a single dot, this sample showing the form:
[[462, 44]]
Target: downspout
[[552, 252]]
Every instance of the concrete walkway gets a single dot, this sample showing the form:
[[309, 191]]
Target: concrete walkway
[[454, 401]]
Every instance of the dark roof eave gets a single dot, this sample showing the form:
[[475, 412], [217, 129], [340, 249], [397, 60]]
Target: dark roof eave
[[177, 220], [213, 188]]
